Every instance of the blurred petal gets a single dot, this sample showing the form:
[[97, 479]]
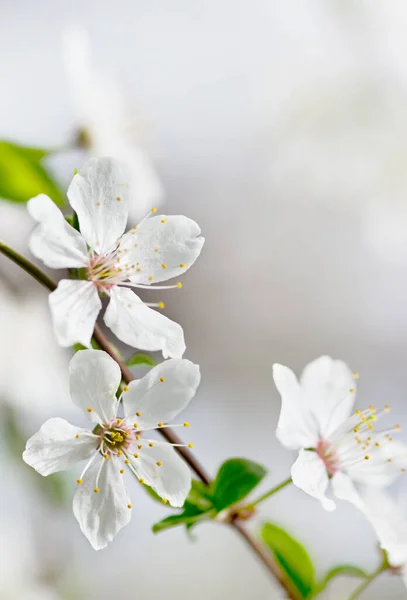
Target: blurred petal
[[101, 515], [99, 198], [164, 247], [343, 488], [93, 380], [54, 241], [327, 383], [171, 479], [384, 466], [296, 428], [309, 474], [58, 446], [161, 394], [139, 326], [75, 305]]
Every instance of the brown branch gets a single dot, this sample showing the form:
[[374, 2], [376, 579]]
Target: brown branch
[[258, 548]]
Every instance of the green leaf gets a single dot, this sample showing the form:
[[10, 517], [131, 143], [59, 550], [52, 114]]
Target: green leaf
[[346, 571], [235, 479], [292, 558], [23, 176], [141, 359]]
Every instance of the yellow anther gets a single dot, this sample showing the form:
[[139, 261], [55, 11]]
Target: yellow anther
[[151, 278], [129, 506], [358, 412], [125, 389], [135, 455], [162, 379], [355, 375], [367, 457], [126, 433], [77, 436], [356, 430], [372, 418], [372, 409], [164, 500], [135, 425], [186, 424], [79, 481], [159, 463], [118, 198], [106, 456], [142, 480], [120, 452], [122, 471], [377, 444], [179, 285], [190, 445], [90, 409], [134, 227], [402, 470], [389, 459], [96, 490], [160, 424], [386, 408], [97, 203], [163, 220], [370, 426], [140, 446], [164, 266], [153, 210], [126, 462], [138, 414], [138, 270], [397, 428], [161, 305], [352, 390], [156, 250], [138, 436], [151, 444], [182, 265], [121, 420]]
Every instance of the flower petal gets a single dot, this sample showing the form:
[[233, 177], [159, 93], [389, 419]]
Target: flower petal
[[327, 384], [389, 523], [99, 198], [75, 305], [54, 241], [93, 380], [58, 446], [164, 247], [101, 515], [161, 394], [139, 326], [343, 488], [171, 479], [296, 427], [383, 467], [309, 474]]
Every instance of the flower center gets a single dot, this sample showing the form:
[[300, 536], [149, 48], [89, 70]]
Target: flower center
[[115, 437], [103, 272], [327, 454]]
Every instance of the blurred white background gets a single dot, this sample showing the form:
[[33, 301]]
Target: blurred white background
[[281, 127]]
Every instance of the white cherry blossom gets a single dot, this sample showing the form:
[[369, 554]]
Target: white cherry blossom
[[159, 248], [334, 446], [117, 444]]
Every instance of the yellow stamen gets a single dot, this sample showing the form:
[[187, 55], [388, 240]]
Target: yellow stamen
[[159, 463], [79, 481], [96, 490]]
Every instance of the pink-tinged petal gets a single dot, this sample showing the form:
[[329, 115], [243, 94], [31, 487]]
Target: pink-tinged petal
[[309, 474], [58, 446], [102, 514], [75, 305], [99, 196], [163, 247], [163, 469], [329, 387], [139, 326], [93, 380], [297, 428], [161, 394], [54, 241]]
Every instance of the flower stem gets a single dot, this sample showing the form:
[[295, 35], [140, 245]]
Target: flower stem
[[258, 548], [271, 492], [361, 588]]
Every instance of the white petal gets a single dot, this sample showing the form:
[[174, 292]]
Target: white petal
[[139, 326], [309, 474], [383, 467], [75, 305], [343, 488], [160, 401], [389, 523], [54, 241], [327, 384], [161, 245], [101, 515], [93, 380], [171, 480], [296, 426], [56, 447], [100, 199]]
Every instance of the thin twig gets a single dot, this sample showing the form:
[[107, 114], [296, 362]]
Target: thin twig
[[262, 553]]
